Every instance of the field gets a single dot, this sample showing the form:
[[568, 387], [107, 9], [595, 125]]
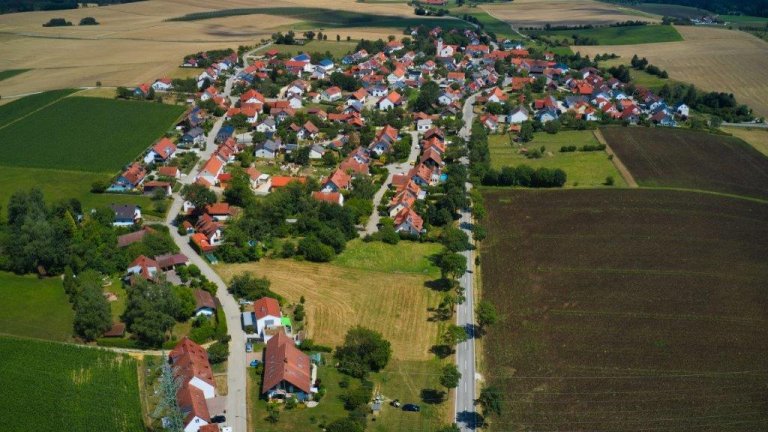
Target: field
[[355, 290], [714, 59], [584, 169], [639, 77], [135, 43], [744, 20], [89, 389], [630, 35], [34, 308], [757, 138], [627, 310], [88, 134], [688, 159], [538, 13], [337, 49], [23, 107], [490, 24], [11, 73], [670, 10]]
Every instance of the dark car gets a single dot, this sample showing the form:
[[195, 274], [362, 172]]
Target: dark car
[[218, 419], [411, 407]]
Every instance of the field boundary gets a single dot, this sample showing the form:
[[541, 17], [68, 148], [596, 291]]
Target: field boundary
[[616, 161]]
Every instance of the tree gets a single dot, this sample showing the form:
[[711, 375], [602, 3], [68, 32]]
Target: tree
[[273, 412], [199, 195], [490, 400], [451, 264], [167, 406], [218, 352], [455, 240], [486, 314], [552, 127], [309, 35], [451, 427], [364, 350], [344, 425], [92, 311], [249, 287], [312, 249], [526, 131], [450, 376], [454, 335]]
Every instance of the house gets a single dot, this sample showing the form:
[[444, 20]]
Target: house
[[392, 100], [267, 317], [497, 96], [204, 303], [316, 152], [518, 116], [162, 84], [144, 267], [161, 152], [337, 182], [443, 50], [211, 170], [151, 187], [383, 141], [308, 131], [331, 94], [283, 181], [326, 64], [396, 76], [171, 261], [329, 197], [394, 46], [683, 110], [252, 97], [191, 403], [358, 96], [126, 214], [210, 228], [490, 121], [287, 370], [192, 370], [219, 211], [423, 125], [169, 171], [131, 178], [408, 221], [267, 126], [134, 237], [547, 115], [193, 137], [267, 150], [142, 90]]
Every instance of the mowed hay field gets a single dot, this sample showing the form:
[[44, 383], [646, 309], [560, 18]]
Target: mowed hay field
[[713, 59], [134, 43], [371, 284], [34, 307], [79, 133], [50, 387], [627, 310], [680, 158], [538, 13]]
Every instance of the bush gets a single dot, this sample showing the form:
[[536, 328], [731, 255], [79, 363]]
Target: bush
[[88, 21], [218, 352], [99, 186], [116, 343]]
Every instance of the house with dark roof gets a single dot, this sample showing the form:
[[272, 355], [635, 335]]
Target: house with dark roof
[[126, 214], [205, 304], [287, 371]]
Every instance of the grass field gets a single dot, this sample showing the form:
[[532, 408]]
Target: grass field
[[744, 20], [89, 389], [34, 307], [678, 158], [631, 35], [9, 73], [355, 289], [88, 134], [757, 138], [584, 169], [627, 310], [639, 77], [538, 13], [490, 24], [337, 49], [714, 59]]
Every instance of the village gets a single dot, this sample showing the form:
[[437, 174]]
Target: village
[[385, 120]]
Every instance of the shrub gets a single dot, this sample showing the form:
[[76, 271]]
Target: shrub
[[218, 352]]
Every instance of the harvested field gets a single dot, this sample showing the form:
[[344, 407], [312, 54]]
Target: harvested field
[[627, 310], [679, 158], [714, 59], [81, 133], [757, 138], [350, 292], [538, 13], [671, 10]]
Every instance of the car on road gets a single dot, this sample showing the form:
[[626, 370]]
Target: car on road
[[218, 419], [411, 408], [470, 271]]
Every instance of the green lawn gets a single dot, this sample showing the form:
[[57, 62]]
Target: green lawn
[[22, 107], [34, 307], [9, 73], [59, 387], [87, 134], [337, 49], [490, 24], [404, 257], [59, 184], [584, 169], [620, 35]]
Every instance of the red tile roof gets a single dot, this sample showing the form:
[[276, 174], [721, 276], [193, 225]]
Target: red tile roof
[[131, 238], [284, 362], [164, 148], [190, 360], [408, 215], [168, 171], [281, 181], [217, 209], [266, 306], [329, 197], [192, 401]]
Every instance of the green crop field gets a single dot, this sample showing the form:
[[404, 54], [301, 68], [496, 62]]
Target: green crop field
[[627, 309], [49, 386], [490, 24], [34, 307], [584, 169], [23, 107], [680, 158], [88, 134], [337, 49], [9, 73], [744, 20], [313, 17], [630, 35], [61, 184], [639, 77]]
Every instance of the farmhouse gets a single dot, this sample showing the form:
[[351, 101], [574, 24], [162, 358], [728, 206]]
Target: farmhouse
[[193, 371]]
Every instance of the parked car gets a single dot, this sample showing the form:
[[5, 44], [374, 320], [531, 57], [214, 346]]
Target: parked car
[[255, 363], [248, 347], [395, 403], [411, 408], [218, 419]]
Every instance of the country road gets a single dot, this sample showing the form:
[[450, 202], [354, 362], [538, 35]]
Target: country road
[[465, 317]]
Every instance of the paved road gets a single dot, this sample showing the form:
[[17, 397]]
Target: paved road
[[465, 315], [394, 168], [747, 125]]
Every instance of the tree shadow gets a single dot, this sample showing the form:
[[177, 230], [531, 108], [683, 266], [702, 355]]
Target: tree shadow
[[432, 396], [440, 285], [473, 420], [442, 351]]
